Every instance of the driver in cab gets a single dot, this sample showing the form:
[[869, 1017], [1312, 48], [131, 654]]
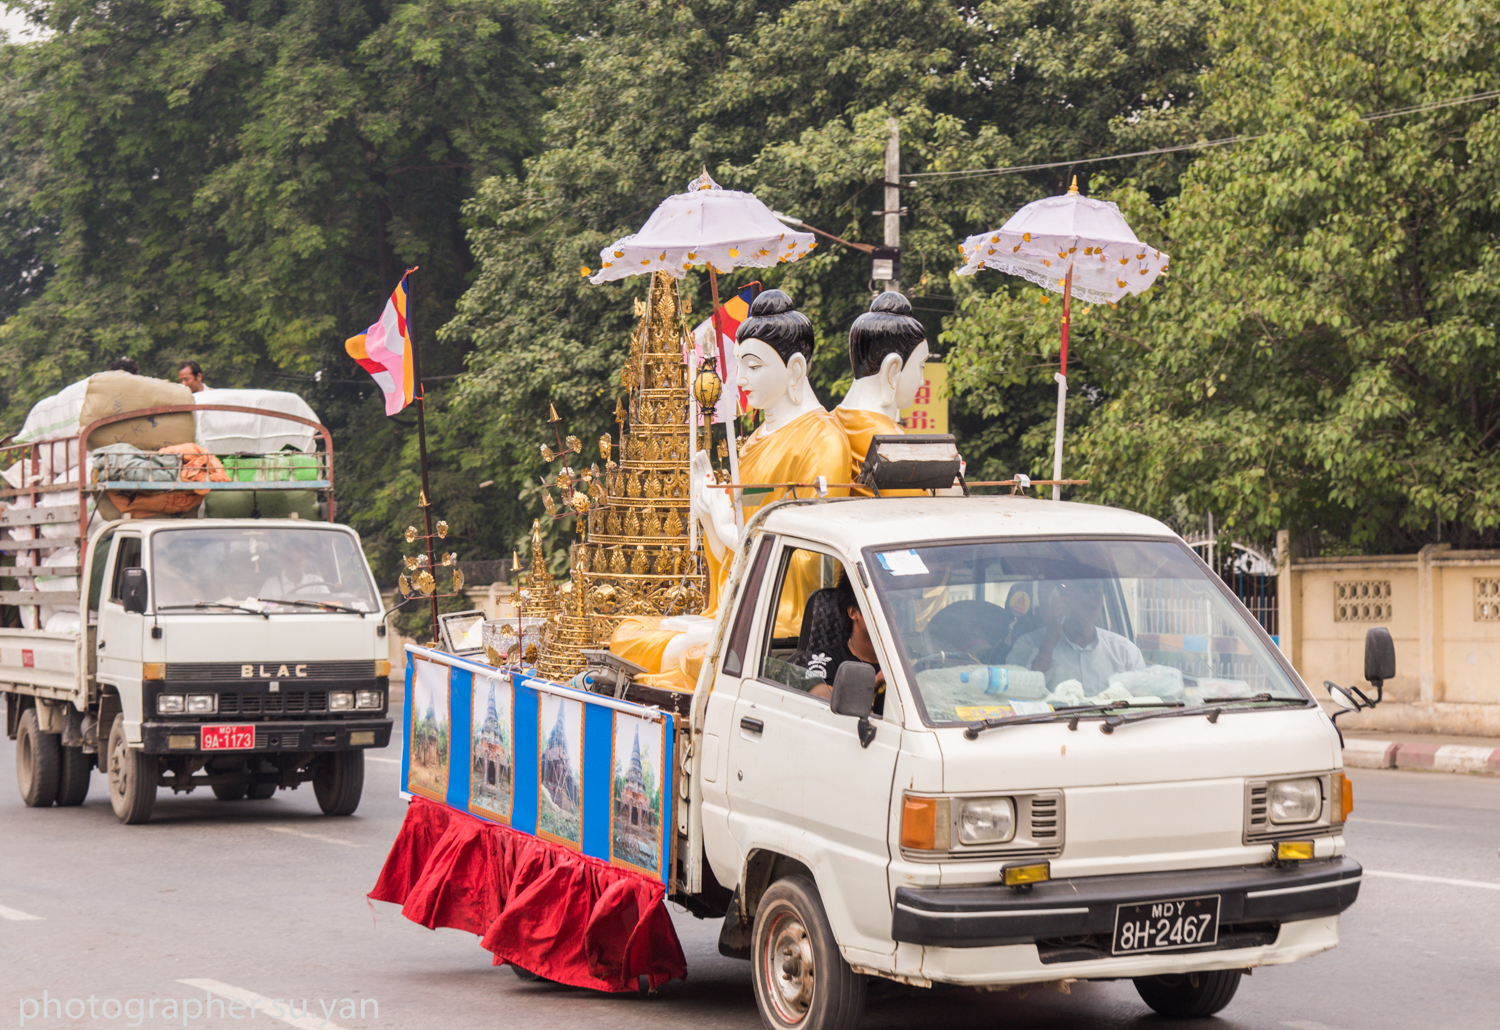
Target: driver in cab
[[1072, 645]]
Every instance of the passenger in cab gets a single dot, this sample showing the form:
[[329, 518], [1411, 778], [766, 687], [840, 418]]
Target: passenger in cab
[[834, 631], [1072, 645]]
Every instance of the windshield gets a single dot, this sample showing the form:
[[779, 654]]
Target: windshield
[[996, 629], [305, 570]]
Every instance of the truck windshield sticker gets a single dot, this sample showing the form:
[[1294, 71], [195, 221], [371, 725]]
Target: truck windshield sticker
[[903, 563]]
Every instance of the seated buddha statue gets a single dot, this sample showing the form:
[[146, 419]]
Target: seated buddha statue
[[887, 349]]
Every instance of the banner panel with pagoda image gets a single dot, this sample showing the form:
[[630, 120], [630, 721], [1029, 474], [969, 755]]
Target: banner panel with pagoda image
[[492, 748], [431, 731], [559, 807], [638, 781]]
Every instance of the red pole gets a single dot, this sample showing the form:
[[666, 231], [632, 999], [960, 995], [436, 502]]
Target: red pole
[[1067, 315]]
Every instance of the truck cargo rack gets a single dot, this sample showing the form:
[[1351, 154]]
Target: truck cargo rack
[[44, 460]]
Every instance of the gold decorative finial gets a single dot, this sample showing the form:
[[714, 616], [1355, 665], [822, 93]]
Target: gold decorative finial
[[1074, 188], [515, 561], [555, 417], [703, 182]]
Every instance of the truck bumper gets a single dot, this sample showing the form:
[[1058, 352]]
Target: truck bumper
[[183, 738], [1254, 902]]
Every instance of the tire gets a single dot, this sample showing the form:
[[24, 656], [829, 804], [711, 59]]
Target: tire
[[801, 980], [1189, 995], [132, 778], [230, 791], [339, 781], [261, 791], [38, 762], [73, 781], [528, 975]]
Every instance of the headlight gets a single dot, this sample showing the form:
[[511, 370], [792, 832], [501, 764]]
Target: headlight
[[987, 820], [169, 704], [340, 700], [202, 704], [367, 699], [1296, 801]]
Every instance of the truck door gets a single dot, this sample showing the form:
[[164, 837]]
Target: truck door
[[120, 634], [798, 780]]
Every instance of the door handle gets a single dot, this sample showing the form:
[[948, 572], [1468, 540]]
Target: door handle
[[753, 725], [101, 645]]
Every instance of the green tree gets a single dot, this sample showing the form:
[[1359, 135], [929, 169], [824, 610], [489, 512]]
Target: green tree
[[791, 100], [1323, 354]]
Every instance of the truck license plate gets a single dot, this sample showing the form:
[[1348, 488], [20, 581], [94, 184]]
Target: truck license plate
[[228, 738], [1166, 925]]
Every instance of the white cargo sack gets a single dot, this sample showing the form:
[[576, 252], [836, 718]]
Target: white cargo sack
[[234, 432]]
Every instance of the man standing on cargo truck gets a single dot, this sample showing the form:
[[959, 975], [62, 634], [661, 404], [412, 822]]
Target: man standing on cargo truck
[[1072, 645], [190, 374]]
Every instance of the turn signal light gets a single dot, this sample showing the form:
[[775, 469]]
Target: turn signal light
[[153, 670], [1293, 850], [1022, 875], [382, 666], [1346, 798], [919, 823]]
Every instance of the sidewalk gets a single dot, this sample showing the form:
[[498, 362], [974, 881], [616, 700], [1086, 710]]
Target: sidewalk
[[1372, 749]]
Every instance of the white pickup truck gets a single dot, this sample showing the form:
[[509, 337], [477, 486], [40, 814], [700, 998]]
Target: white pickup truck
[[242, 654], [1082, 759]]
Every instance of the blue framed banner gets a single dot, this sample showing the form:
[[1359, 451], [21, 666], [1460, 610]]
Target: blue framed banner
[[582, 771]]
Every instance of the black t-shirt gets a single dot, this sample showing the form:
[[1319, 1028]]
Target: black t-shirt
[[824, 665]]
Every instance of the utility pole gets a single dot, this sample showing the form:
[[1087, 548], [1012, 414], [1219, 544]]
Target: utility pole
[[893, 202]]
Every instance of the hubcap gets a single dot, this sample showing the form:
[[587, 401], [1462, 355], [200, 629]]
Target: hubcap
[[118, 780], [789, 967], [24, 760]]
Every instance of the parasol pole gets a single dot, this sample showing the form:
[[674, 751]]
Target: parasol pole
[[421, 398], [1062, 386]]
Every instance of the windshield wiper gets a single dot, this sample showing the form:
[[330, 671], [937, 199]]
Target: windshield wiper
[[212, 604], [325, 605], [1215, 706], [1071, 712]]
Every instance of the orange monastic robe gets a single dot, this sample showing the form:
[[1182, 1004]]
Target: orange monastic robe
[[809, 446]]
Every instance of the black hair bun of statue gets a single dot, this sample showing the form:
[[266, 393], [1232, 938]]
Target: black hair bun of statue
[[892, 303], [771, 302]]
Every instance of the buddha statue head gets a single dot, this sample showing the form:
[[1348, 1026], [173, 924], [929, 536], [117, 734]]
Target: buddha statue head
[[772, 347], [887, 349]]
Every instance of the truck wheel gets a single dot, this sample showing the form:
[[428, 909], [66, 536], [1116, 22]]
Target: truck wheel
[[38, 762], [132, 778], [261, 791], [73, 781], [230, 791], [338, 782], [801, 980], [1189, 995]]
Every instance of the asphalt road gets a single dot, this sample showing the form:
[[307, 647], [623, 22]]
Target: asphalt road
[[269, 897]]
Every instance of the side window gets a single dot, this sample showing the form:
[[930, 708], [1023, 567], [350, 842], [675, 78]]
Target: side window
[[127, 556], [739, 639], [99, 560], [812, 630]]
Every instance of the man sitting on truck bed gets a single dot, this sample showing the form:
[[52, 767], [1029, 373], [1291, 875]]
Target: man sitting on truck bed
[[1071, 645]]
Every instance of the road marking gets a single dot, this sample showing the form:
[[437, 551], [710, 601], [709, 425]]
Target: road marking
[[1394, 822], [312, 836], [16, 915], [261, 1003], [1482, 884], [387, 761]]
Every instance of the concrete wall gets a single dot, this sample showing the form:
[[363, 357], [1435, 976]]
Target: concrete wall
[[1442, 608]]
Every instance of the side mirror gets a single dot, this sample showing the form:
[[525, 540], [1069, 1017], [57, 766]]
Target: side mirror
[[854, 694], [1342, 697], [133, 590], [1380, 655]]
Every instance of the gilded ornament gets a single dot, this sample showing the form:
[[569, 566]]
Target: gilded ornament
[[653, 487], [613, 526], [651, 523], [673, 526], [458, 580], [574, 444], [507, 630], [531, 655], [404, 584], [579, 501], [547, 454], [492, 656], [422, 561], [442, 529], [411, 534], [632, 485], [723, 450], [411, 563], [653, 450], [633, 523], [639, 564], [617, 562], [425, 582], [605, 444], [553, 417], [548, 503]]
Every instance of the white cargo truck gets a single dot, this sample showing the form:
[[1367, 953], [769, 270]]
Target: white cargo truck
[[170, 648]]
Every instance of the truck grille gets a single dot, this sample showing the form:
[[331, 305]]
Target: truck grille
[[290, 702], [234, 672]]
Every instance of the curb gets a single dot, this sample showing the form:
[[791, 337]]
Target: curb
[[1392, 754]]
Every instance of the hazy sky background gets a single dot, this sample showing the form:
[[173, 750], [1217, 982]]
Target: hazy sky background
[[13, 22]]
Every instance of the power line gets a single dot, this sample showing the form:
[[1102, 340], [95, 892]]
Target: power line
[[975, 173]]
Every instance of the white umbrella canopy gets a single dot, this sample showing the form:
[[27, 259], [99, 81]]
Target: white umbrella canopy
[[1049, 237], [707, 225]]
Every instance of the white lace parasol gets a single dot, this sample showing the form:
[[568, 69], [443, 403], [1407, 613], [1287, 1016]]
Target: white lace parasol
[[1047, 237], [706, 225]]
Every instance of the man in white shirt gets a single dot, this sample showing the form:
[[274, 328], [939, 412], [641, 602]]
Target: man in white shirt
[[1071, 645], [190, 374]]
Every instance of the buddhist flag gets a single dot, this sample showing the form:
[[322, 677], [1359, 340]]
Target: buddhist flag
[[731, 313], [384, 351]]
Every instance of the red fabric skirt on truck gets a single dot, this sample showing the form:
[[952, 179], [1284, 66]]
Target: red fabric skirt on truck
[[565, 916]]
